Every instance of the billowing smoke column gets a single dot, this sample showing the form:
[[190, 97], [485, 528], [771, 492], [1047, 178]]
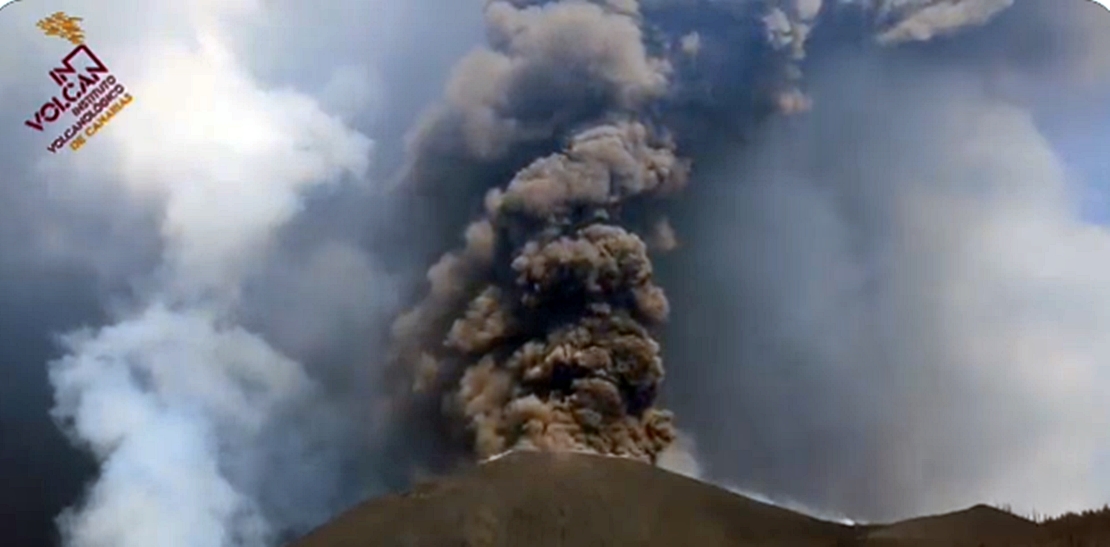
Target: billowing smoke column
[[538, 333], [206, 435], [555, 351]]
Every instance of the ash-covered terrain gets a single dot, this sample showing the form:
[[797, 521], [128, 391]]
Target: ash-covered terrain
[[565, 499]]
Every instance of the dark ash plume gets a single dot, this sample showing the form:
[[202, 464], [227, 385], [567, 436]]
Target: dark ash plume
[[538, 332], [555, 350]]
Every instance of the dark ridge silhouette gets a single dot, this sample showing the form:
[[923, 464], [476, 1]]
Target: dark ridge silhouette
[[1090, 528], [979, 525], [549, 499], [554, 499]]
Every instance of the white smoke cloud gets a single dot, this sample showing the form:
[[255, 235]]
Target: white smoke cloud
[[197, 422], [169, 401], [231, 168]]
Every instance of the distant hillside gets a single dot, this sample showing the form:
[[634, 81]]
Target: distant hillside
[[1086, 529], [978, 526], [529, 499]]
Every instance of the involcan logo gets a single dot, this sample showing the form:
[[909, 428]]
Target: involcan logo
[[86, 89]]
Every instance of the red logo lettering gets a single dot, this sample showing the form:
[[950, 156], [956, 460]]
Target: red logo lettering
[[60, 75], [37, 124]]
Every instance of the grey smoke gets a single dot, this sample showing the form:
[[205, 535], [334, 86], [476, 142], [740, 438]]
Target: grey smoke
[[901, 318], [925, 19], [847, 315]]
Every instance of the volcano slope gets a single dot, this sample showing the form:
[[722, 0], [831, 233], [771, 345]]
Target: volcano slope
[[537, 499]]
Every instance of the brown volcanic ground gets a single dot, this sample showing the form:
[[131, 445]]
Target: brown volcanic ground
[[547, 499]]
